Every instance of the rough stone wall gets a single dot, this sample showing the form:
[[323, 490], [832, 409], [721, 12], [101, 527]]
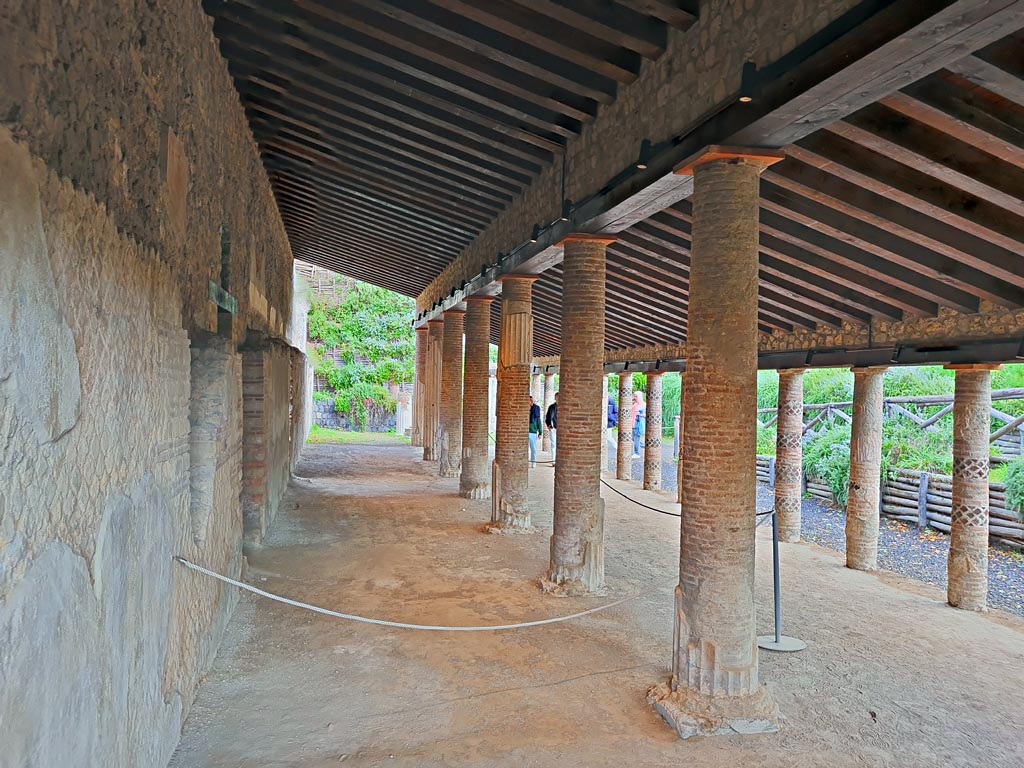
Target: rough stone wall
[[132, 102], [104, 636], [700, 70]]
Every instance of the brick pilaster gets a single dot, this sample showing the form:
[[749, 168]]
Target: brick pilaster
[[417, 389], [652, 440], [715, 686], [624, 455], [865, 470], [449, 434], [604, 423], [577, 543], [967, 586], [789, 454], [510, 474], [475, 481], [432, 389]]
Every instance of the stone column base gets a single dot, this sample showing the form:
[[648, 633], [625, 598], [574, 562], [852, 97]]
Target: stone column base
[[505, 517], [696, 714], [584, 578], [478, 491]]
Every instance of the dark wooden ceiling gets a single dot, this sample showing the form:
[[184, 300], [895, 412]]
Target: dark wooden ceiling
[[905, 207], [394, 131]]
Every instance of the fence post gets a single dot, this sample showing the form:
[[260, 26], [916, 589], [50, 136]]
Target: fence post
[[922, 501], [771, 471], [675, 437]]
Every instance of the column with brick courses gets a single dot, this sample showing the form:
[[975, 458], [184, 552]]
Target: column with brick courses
[[417, 389], [624, 455], [549, 399], [577, 543], [537, 390], [510, 471], [652, 440], [968, 537], [604, 423], [865, 470], [789, 454], [432, 389], [714, 686], [475, 481], [449, 434]]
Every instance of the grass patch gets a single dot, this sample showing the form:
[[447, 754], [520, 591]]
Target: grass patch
[[324, 436]]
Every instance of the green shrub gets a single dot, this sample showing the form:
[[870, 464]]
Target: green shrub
[[1015, 486], [827, 385], [827, 458], [766, 437]]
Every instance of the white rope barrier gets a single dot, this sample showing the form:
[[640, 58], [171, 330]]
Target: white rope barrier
[[399, 624]]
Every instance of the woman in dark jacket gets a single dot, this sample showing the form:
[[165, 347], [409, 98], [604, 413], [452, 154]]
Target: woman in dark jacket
[[536, 428]]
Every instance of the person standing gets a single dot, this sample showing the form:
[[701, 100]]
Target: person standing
[[551, 421], [536, 428], [639, 423], [613, 423]]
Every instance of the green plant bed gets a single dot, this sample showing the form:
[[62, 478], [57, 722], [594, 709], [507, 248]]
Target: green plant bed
[[322, 435]]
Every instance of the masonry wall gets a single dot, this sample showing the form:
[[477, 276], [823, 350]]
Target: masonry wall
[[126, 172]]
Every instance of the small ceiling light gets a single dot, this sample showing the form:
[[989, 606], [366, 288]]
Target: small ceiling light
[[646, 150], [896, 352], [535, 235], [566, 211], [746, 99], [1020, 351]]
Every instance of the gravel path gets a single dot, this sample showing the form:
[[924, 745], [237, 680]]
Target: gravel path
[[902, 548]]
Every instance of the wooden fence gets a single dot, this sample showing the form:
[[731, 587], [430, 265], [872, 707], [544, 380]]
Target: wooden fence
[[1008, 439], [921, 498]]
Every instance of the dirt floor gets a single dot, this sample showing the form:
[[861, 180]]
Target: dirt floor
[[892, 676]]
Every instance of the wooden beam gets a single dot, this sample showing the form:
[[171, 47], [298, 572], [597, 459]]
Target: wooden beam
[[645, 35], [990, 77]]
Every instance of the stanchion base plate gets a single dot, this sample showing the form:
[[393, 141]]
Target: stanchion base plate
[[784, 644]]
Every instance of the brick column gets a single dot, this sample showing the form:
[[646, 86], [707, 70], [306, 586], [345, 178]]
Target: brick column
[[789, 454], [417, 389], [624, 454], [865, 470], [432, 389], [714, 686], [510, 473], [652, 440], [604, 423], [968, 537], [475, 481], [577, 543], [549, 399], [537, 390], [449, 433]]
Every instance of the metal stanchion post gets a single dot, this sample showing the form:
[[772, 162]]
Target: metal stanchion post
[[779, 642]]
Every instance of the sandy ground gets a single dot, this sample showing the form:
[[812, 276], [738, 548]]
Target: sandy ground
[[892, 676]]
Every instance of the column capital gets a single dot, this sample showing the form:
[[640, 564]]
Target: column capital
[[973, 367], [650, 374], [480, 299], [584, 237], [762, 158], [453, 312], [785, 373], [435, 321], [865, 369], [422, 328], [515, 278]]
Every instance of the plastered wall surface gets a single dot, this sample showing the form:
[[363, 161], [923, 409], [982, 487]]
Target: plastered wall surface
[[130, 181]]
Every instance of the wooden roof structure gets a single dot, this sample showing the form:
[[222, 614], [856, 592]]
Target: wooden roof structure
[[394, 131]]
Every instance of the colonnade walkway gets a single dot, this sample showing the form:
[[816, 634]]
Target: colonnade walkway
[[892, 675]]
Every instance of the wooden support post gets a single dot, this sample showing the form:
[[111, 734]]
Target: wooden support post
[[922, 501]]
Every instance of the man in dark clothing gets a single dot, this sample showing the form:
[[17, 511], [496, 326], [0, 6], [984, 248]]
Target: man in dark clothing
[[613, 413], [551, 421]]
